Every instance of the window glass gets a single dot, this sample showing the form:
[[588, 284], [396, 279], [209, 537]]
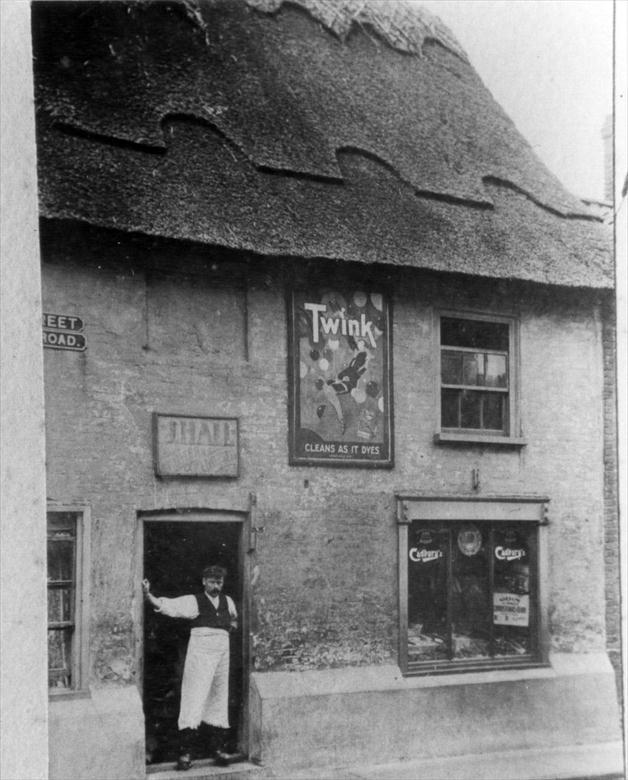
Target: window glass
[[511, 592], [451, 367], [470, 409], [470, 610], [59, 605], [464, 368], [474, 334], [450, 408], [472, 368], [60, 658], [493, 411], [427, 593], [496, 371], [469, 596], [62, 539], [60, 558]]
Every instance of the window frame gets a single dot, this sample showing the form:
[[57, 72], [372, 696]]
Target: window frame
[[80, 643], [511, 437], [532, 510]]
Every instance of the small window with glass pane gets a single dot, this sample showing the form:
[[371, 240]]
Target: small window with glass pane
[[471, 594], [62, 573], [475, 375]]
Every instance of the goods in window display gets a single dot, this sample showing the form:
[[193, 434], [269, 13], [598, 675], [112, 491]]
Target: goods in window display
[[465, 646], [425, 646], [469, 540], [469, 592]]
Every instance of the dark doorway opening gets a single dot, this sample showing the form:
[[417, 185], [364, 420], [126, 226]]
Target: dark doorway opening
[[175, 553]]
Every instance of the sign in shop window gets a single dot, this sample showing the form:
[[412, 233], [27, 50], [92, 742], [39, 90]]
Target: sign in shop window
[[340, 377], [471, 593]]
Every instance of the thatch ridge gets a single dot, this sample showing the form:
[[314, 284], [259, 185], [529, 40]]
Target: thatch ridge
[[402, 25]]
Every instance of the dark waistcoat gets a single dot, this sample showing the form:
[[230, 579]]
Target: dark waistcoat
[[208, 617]]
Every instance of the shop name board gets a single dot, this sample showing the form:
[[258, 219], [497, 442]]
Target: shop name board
[[63, 331], [187, 446]]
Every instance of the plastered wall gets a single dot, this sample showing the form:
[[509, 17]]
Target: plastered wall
[[325, 591]]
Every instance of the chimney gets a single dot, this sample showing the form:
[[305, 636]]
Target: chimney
[[607, 140]]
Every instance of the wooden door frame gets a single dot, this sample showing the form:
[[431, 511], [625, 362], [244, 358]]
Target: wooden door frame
[[203, 515]]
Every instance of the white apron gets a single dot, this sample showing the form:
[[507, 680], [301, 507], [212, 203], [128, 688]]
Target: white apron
[[205, 686]]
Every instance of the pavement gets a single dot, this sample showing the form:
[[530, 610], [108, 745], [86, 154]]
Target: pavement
[[581, 762]]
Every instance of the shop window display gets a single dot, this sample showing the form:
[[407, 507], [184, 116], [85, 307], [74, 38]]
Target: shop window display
[[471, 593]]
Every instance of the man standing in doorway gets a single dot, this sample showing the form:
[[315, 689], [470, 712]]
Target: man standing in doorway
[[205, 686]]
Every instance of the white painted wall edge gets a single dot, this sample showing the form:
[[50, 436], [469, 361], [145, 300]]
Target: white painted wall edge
[[24, 684]]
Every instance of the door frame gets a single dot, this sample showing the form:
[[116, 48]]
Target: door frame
[[203, 515]]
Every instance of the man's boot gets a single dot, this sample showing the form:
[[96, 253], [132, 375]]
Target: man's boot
[[186, 739], [221, 756]]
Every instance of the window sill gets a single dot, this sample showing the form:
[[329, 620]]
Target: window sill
[[478, 438], [516, 666], [65, 695]]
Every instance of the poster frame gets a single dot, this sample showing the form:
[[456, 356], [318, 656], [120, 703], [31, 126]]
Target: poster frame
[[387, 461]]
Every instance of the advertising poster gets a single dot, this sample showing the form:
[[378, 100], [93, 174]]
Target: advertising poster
[[511, 609], [340, 377]]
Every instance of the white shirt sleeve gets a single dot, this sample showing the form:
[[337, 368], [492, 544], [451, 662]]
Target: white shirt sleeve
[[232, 609], [181, 607]]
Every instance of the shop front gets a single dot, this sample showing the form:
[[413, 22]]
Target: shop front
[[392, 561], [469, 583], [365, 375]]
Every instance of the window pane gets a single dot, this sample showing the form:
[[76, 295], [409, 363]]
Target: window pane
[[449, 408], [493, 412], [470, 409], [511, 593], [471, 613], [496, 371], [60, 559], [473, 369], [427, 592], [62, 528], [59, 658], [59, 605], [474, 334], [62, 521], [451, 368]]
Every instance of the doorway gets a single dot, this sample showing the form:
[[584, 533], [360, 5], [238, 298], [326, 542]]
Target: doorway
[[175, 553]]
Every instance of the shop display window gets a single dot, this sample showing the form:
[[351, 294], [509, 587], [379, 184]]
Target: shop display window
[[64, 541], [471, 594]]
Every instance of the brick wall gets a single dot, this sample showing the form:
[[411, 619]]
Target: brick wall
[[611, 511], [326, 594]]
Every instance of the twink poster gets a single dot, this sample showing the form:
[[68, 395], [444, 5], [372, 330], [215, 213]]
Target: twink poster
[[340, 377]]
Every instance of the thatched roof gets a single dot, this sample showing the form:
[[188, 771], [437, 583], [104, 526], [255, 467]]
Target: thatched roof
[[343, 129]]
